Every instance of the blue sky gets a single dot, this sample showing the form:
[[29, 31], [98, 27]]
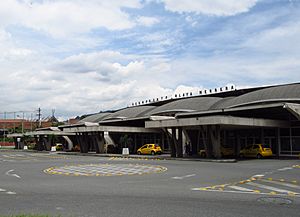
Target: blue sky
[[82, 57]]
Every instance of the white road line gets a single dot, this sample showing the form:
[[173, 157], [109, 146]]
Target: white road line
[[258, 176], [270, 188], [238, 192], [240, 188], [11, 192], [182, 177], [8, 173], [285, 168], [281, 183], [1, 190]]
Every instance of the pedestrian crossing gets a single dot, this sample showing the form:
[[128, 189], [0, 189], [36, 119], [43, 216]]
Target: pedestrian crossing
[[258, 185]]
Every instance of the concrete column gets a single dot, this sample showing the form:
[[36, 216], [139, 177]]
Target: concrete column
[[99, 142], [237, 148], [173, 143], [215, 137], [84, 147], [180, 143], [278, 142]]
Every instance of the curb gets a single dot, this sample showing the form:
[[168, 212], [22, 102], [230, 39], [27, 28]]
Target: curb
[[145, 157]]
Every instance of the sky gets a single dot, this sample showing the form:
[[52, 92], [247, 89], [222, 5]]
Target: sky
[[80, 57]]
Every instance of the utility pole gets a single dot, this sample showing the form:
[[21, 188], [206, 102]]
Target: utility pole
[[39, 117], [4, 127]]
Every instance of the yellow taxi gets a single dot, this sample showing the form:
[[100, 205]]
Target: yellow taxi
[[256, 150], [150, 149], [225, 151], [59, 147]]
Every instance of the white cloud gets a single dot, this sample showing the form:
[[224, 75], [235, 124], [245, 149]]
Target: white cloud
[[67, 17], [283, 40], [147, 21], [208, 7]]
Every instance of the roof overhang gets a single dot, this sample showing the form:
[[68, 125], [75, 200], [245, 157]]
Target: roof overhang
[[250, 107], [110, 129], [14, 135], [217, 120], [293, 108], [48, 132]]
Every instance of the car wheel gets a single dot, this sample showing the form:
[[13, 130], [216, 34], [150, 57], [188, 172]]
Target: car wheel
[[152, 153], [139, 153], [259, 156]]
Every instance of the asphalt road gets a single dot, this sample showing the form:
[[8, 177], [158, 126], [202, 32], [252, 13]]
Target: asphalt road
[[43, 183]]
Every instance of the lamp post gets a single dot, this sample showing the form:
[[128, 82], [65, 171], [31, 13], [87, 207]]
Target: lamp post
[[18, 141]]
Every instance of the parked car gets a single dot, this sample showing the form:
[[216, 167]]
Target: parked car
[[256, 150], [59, 147], [150, 149], [225, 151]]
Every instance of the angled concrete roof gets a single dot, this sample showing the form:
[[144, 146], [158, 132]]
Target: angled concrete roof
[[95, 118], [185, 105], [131, 112], [283, 93]]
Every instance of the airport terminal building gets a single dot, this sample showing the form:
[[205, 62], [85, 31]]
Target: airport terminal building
[[209, 120]]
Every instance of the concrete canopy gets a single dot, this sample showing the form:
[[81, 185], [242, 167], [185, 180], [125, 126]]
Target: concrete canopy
[[217, 120]]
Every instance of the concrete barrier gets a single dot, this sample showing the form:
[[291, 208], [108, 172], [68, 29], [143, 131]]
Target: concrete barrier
[[53, 148], [25, 147]]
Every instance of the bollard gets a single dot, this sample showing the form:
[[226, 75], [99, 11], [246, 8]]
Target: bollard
[[125, 151]]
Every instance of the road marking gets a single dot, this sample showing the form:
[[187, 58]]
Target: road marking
[[242, 192], [281, 183], [11, 192], [258, 176], [285, 168], [240, 188], [8, 173], [271, 188], [182, 177], [1, 190], [105, 170]]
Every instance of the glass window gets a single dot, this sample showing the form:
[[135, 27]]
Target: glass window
[[284, 131], [296, 144], [285, 144], [269, 132], [295, 131]]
